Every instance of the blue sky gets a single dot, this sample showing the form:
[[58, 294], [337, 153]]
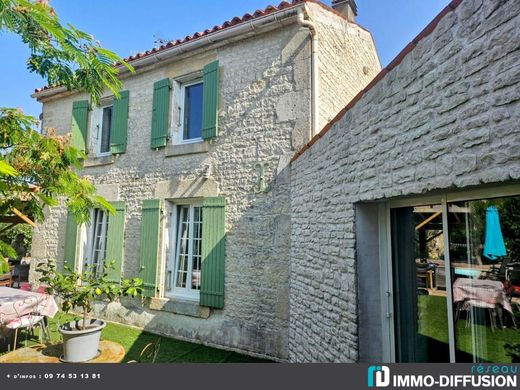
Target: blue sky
[[130, 26]]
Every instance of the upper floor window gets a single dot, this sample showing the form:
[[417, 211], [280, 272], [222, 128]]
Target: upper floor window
[[102, 129], [190, 111]]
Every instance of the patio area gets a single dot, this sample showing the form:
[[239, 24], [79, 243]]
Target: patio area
[[134, 340]]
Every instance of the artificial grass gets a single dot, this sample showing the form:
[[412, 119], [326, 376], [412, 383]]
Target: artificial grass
[[433, 323], [134, 340]]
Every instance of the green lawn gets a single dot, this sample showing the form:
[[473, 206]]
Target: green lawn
[[134, 340], [491, 347]]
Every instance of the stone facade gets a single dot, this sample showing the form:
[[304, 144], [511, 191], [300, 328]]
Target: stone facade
[[446, 117], [347, 61], [264, 118]]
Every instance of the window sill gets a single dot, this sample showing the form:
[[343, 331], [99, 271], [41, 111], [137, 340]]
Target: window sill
[[96, 161], [180, 306], [186, 148]]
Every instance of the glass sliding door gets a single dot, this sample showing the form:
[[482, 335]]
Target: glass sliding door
[[420, 319], [455, 277], [484, 245]]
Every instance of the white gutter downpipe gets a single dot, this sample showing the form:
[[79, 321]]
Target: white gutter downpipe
[[315, 77]]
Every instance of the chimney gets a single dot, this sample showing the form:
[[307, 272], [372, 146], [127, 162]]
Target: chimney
[[347, 8]]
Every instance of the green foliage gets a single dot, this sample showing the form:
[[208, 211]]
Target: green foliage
[[6, 251], [9, 235], [509, 211], [4, 266], [80, 290], [63, 55], [38, 170], [44, 165], [509, 214]]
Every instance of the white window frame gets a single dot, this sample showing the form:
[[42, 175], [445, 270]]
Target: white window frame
[[91, 231], [170, 288], [385, 259], [97, 128], [180, 109]]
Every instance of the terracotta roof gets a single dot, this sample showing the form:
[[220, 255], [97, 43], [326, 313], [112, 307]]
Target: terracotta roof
[[233, 22], [396, 61], [227, 24]]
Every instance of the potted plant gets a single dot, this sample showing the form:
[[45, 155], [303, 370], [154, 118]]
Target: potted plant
[[80, 290]]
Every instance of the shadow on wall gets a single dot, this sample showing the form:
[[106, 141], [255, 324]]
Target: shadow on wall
[[256, 312], [255, 315]]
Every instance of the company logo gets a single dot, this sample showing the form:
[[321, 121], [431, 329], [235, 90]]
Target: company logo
[[378, 376]]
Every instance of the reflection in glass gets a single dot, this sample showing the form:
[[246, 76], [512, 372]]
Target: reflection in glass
[[419, 285], [193, 111], [484, 238]]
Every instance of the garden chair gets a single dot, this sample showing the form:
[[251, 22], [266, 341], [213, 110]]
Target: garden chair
[[470, 304], [28, 322], [149, 353]]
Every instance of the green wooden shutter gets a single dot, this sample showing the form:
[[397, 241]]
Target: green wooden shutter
[[71, 236], [150, 229], [79, 124], [210, 101], [119, 124], [115, 241], [160, 113], [213, 252]]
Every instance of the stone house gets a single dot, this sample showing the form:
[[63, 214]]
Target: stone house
[[194, 156], [355, 206]]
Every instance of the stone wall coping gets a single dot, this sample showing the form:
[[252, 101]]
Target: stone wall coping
[[188, 148], [97, 161], [179, 306]]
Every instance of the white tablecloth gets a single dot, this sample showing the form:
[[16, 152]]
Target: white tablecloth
[[15, 303], [487, 293]]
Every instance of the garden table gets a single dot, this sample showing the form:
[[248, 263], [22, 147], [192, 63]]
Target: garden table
[[488, 293], [15, 303]]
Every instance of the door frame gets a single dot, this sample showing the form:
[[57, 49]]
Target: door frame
[[385, 254]]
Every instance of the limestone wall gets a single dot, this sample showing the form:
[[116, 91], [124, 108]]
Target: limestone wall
[[446, 117], [256, 127], [264, 118], [347, 61]]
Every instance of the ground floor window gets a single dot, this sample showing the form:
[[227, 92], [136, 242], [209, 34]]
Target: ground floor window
[[96, 243], [456, 280], [187, 254]]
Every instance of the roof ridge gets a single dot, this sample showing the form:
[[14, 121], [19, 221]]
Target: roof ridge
[[394, 63], [269, 9]]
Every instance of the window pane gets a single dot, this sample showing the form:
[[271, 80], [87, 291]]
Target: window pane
[[195, 279], [193, 111], [182, 272], [106, 129], [189, 247], [97, 239], [484, 240], [183, 245], [421, 318]]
